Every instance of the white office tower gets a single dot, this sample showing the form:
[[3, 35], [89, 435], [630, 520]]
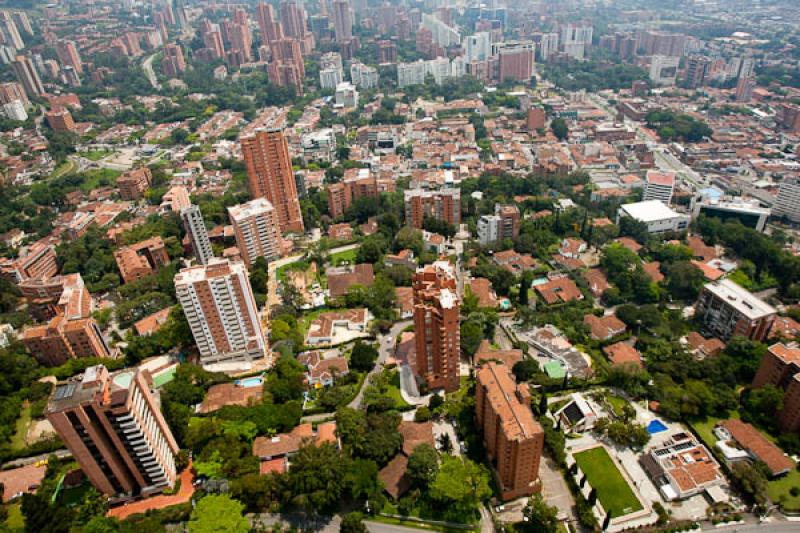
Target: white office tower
[[478, 47], [787, 204], [219, 305], [195, 228], [362, 76], [255, 225], [15, 110], [659, 186]]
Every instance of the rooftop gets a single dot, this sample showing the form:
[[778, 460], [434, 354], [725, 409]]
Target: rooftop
[[741, 299], [649, 211]]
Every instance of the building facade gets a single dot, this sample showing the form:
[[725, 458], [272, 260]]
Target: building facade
[[513, 439], [444, 204], [780, 367], [270, 176], [436, 326], [256, 229], [113, 426], [728, 310], [197, 233], [219, 305]]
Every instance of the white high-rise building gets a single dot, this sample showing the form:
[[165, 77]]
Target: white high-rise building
[[8, 28], [15, 110], [488, 229], [346, 95], [664, 70], [659, 186], [440, 68], [255, 226], [195, 228], [330, 77], [788, 201], [362, 76], [575, 39], [219, 305], [548, 45], [477, 47], [443, 35]]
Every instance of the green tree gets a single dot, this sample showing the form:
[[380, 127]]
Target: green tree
[[423, 466], [363, 356], [317, 476], [559, 127], [217, 514], [524, 370], [353, 522], [460, 485], [540, 517], [471, 337]]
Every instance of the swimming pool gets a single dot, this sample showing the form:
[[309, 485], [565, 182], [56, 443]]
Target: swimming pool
[[250, 382], [656, 426]]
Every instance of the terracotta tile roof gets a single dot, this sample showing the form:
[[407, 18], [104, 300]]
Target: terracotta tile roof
[[268, 448], [700, 249], [598, 283], [559, 290], [273, 466], [224, 394], [708, 347], [516, 418], [152, 323], [629, 243], [787, 354], [362, 274], [785, 327], [482, 288], [322, 326], [757, 445], [653, 269], [604, 327], [485, 353], [414, 434], [393, 476], [621, 353], [405, 299], [709, 272]]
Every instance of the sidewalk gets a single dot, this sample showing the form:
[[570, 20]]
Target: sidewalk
[[162, 501]]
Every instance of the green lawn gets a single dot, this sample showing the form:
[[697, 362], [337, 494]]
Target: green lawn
[[705, 429], [99, 177], [617, 404], [23, 423], [779, 491], [64, 168], [613, 491], [96, 155], [15, 521], [340, 257], [394, 390]]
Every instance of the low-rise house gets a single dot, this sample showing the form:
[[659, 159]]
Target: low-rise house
[[578, 415], [275, 452], [152, 323], [405, 301], [701, 347], [621, 353], [741, 441], [681, 467], [653, 269], [224, 394], [784, 327], [402, 258], [482, 289], [514, 262], [323, 328], [340, 232], [486, 353], [341, 279], [559, 289], [322, 372], [603, 328], [597, 281], [393, 476]]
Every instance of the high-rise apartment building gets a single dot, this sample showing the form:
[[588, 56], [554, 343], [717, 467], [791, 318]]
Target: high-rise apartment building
[[173, 63], [362, 76], [787, 203], [513, 438], [293, 19], [27, 76], [8, 31], [270, 176], [47, 297], [659, 186], [256, 230], [728, 310], [575, 39], [270, 29], [134, 183], [547, 44], [68, 55], [342, 21], [62, 339], [60, 120], [13, 91], [219, 305], [504, 224], [697, 68], [744, 89], [195, 228], [780, 367], [387, 52], [359, 184], [443, 204], [436, 325], [113, 426], [516, 61], [37, 261]]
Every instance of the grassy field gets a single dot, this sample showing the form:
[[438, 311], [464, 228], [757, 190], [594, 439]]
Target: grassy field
[[705, 429], [394, 390], [340, 257], [613, 491], [23, 423], [779, 491], [99, 177], [96, 155], [64, 168], [617, 404]]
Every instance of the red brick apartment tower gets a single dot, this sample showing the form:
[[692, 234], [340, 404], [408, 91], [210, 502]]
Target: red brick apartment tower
[[513, 439], [114, 428], [780, 367], [270, 176], [436, 325]]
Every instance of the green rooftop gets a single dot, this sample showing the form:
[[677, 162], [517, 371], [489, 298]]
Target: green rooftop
[[555, 370]]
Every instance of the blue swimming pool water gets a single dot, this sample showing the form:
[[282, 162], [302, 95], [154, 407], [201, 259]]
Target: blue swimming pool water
[[250, 382], [656, 426]]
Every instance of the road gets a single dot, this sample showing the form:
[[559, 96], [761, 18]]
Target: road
[[147, 66], [784, 527], [385, 349], [61, 454], [667, 161], [380, 527]]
